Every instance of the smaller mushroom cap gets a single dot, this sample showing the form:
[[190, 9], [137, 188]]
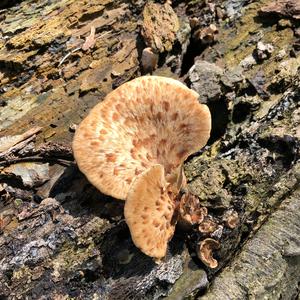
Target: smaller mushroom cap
[[205, 252], [207, 226], [149, 211], [231, 219]]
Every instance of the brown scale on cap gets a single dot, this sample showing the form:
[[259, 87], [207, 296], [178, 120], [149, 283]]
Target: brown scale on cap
[[149, 211], [149, 120]]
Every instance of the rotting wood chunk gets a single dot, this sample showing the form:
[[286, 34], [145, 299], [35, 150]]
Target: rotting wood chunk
[[160, 26], [285, 8]]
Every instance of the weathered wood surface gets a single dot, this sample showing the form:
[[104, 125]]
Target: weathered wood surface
[[60, 238]]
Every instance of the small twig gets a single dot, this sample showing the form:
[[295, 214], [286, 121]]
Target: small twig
[[17, 147], [11, 161], [103, 35], [67, 55], [21, 141], [17, 139]]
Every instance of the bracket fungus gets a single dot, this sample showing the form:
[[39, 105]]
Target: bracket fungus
[[132, 146]]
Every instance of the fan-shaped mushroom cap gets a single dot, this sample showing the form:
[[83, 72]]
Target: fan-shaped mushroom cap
[[149, 211], [149, 120]]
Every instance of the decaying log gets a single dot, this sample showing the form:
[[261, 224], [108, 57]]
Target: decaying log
[[60, 238]]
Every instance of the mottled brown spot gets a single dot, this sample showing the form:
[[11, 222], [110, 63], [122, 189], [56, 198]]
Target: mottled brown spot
[[144, 217], [166, 105], [143, 164], [152, 107], [152, 136], [116, 171], [115, 117], [191, 106], [159, 116], [103, 131], [146, 141], [155, 223], [162, 227], [162, 142], [182, 126], [166, 216], [187, 131], [118, 108], [133, 153], [123, 165], [95, 143], [137, 172], [158, 203], [172, 147], [149, 242], [174, 116], [146, 208], [135, 142], [110, 157], [138, 91], [157, 153], [129, 121], [141, 119], [160, 208], [149, 157], [128, 180]]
